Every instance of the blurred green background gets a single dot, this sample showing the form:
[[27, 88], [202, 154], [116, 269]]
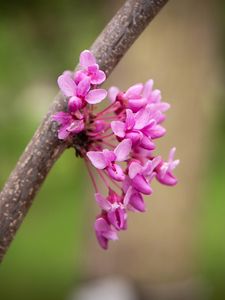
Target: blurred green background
[[55, 248]]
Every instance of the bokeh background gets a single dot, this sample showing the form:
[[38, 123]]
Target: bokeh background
[[177, 249]]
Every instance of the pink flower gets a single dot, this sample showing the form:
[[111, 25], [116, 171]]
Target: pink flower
[[164, 170], [134, 200], [140, 127], [114, 208], [132, 98], [90, 69], [68, 124], [138, 96], [107, 159], [81, 93], [141, 176], [104, 232], [116, 143]]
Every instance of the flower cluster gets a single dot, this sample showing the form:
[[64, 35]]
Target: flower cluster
[[119, 141]]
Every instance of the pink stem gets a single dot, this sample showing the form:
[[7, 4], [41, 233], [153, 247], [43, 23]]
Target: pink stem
[[91, 175]]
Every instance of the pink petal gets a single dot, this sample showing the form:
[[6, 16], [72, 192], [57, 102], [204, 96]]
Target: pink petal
[[172, 154], [103, 242], [130, 121], [143, 117], [93, 69], [122, 151], [76, 126], [148, 88], [74, 103], [98, 78], [63, 133], [67, 85], [147, 144], [134, 169], [116, 172], [157, 132], [102, 202], [68, 72], [87, 59], [155, 97], [128, 194], [137, 201], [109, 156], [134, 91], [96, 96], [101, 225], [118, 128], [97, 159], [151, 165], [112, 93], [135, 137], [118, 218], [111, 235], [140, 184], [136, 104], [79, 76], [62, 118], [167, 179], [83, 87], [134, 199]]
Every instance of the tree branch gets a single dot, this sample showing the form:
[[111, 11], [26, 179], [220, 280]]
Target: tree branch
[[45, 148]]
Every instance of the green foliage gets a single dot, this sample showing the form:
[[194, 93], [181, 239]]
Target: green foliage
[[39, 40]]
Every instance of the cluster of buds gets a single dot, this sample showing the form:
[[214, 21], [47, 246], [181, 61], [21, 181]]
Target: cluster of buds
[[118, 141]]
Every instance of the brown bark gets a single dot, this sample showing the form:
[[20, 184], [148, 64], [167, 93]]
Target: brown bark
[[45, 148]]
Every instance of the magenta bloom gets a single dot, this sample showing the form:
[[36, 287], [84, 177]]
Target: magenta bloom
[[116, 143], [69, 124], [114, 208], [140, 127], [104, 232], [80, 93], [90, 69], [141, 176], [107, 159], [164, 173], [134, 200]]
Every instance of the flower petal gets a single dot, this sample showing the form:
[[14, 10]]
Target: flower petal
[[143, 117], [130, 121], [112, 93], [137, 201], [116, 172], [134, 91], [76, 126], [61, 118], [122, 151], [98, 78], [148, 88], [74, 103], [167, 179], [134, 169], [146, 143], [63, 133], [97, 159], [136, 104], [140, 183], [102, 202], [133, 199], [109, 156], [83, 87], [67, 85], [87, 59], [96, 96], [118, 128]]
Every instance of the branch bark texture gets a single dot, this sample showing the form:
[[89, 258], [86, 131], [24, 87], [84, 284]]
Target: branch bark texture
[[44, 148]]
